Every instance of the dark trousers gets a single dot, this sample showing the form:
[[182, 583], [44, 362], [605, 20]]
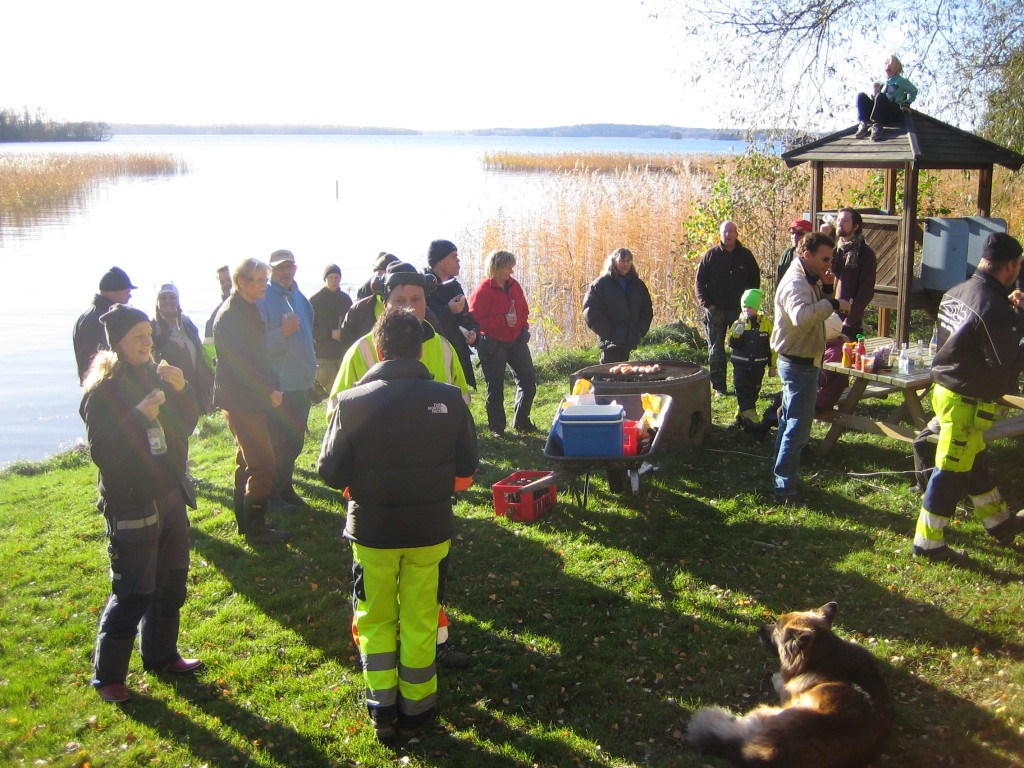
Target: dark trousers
[[747, 378], [255, 462], [287, 427], [515, 355], [716, 324], [614, 354], [148, 550], [877, 109]]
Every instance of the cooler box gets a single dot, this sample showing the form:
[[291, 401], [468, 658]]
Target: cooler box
[[592, 430]]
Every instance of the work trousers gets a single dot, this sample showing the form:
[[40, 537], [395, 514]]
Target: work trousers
[[747, 377], [961, 465], [148, 550], [494, 357], [287, 427], [392, 587], [716, 324], [255, 461]]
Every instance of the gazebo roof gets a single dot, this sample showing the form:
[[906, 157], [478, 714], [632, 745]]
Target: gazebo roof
[[921, 139]]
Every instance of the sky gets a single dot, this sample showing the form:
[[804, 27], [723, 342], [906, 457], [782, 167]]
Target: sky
[[455, 65]]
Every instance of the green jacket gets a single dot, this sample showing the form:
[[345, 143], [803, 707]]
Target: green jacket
[[899, 90]]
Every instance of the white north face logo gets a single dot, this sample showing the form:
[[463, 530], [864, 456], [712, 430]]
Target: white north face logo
[[438, 408]]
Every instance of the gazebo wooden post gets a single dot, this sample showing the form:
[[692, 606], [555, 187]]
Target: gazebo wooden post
[[985, 191], [906, 249], [817, 190], [890, 191]]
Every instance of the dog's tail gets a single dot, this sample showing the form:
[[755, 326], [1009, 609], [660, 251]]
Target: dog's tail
[[719, 732], [716, 731]]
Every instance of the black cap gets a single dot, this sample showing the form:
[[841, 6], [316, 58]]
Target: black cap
[[116, 280], [1000, 247], [332, 269], [440, 249], [383, 260]]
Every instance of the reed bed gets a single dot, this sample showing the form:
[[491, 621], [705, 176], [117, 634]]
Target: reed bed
[[607, 162], [668, 220], [34, 186]]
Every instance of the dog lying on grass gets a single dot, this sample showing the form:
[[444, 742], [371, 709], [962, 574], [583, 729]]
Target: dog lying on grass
[[834, 711]]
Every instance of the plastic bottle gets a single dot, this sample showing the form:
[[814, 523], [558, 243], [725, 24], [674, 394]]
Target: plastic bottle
[[903, 365], [861, 353]]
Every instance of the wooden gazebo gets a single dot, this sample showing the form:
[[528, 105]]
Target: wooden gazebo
[[920, 143]]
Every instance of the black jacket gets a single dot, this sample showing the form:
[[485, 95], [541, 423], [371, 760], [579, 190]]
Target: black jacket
[[397, 441], [450, 324], [197, 373], [329, 309], [89, 336], [118, 441], [979, 340], [722, 277], [620, 316], [244, 377]]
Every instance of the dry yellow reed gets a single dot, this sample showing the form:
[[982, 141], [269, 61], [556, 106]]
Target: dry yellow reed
[[553, 162], [562, 245], [32, 186]]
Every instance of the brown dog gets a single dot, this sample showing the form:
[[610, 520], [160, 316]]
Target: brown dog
[[835, 710]]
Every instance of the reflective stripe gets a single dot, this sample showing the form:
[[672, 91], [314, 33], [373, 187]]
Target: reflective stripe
[[417, 706], [928, 534], [386, 697], [367, 351], [446, 350], [990, 508], [416, 675], [131, 525], [380, 662]]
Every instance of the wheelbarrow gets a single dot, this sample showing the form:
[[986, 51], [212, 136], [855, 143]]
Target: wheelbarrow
[[622, 471]]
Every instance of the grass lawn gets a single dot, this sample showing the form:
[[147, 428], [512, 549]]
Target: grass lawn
[[595, 634]]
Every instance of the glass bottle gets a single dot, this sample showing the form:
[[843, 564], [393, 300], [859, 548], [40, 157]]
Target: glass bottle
[[157, 438], [933, 345], [903, 365]]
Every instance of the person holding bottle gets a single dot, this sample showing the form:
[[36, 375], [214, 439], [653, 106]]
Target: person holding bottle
[[499, 306], [138, 417]]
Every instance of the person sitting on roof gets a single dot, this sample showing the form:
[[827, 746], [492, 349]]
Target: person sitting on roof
[[889, 102]]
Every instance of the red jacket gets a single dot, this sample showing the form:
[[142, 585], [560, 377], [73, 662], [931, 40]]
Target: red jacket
[[490, 303]]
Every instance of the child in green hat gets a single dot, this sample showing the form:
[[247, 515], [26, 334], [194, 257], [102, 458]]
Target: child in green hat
[[751, 354]]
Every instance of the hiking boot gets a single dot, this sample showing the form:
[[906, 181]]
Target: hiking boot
[[257, 531], [862, 131], [450, 658], [114, 693], [384, 730], [280, 506], [289, 495], [943, 554], [1008, 529], [760, 430]]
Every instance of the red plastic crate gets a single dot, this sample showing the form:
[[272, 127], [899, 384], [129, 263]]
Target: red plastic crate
[[510, 501]]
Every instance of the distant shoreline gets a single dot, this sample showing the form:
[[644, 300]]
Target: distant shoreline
[[593, 130]]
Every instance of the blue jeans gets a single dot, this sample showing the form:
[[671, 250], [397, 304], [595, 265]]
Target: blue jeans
[[716, 325], [799, 390]]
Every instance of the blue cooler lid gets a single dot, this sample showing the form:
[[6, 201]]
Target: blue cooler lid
[[607, 413]]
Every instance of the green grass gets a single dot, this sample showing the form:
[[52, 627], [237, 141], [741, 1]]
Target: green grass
[[595, 634]]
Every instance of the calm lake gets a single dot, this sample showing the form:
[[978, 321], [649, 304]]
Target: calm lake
[[336, 199]]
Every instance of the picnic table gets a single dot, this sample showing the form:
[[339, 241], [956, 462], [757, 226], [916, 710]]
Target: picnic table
[[909, 389]]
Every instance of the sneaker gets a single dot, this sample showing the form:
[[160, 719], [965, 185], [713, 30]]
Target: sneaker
[[450, 658], [943, 554], [862, 131], [1008, 529], [114, 693], [498, 434], [876, 133]]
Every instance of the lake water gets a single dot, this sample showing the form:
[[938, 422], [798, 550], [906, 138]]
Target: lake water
[[336, 199]]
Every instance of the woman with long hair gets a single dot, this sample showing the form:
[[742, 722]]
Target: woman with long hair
[[138, 416]]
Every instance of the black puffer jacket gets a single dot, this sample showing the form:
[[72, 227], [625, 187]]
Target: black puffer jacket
[[118, 441], [397, 441], [722, 277], [980, 340], [620, 316]]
